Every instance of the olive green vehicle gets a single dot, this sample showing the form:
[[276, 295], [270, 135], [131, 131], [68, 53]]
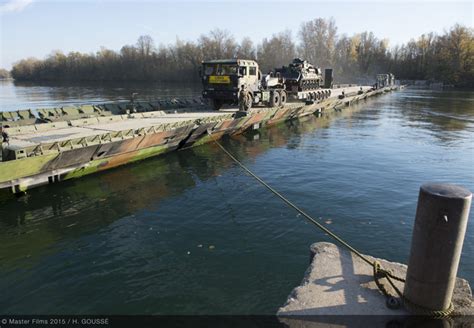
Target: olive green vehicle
[[239, 82]]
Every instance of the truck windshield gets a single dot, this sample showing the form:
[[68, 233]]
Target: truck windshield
[[220, 69]]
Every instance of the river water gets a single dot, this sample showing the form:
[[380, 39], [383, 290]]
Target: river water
[[190, 233]]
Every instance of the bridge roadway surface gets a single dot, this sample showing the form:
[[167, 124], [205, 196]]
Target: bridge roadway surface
[[64, 133]]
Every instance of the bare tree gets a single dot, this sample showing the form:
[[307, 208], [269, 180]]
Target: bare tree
[[4, 74], [318, 41], [217, 44], [277, 51], [345, 59], [145, 45], [246, 49]]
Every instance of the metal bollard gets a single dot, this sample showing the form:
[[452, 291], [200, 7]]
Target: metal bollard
[[438, 236]]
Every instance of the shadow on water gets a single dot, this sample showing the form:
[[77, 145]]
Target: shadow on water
[[33, 222], [75, 231]]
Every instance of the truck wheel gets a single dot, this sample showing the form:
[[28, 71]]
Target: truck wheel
[[216, 104], [246, 103], [274, 99], [282, 98]]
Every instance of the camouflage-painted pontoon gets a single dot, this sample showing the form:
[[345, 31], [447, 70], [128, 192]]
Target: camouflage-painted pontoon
[[48, 146]]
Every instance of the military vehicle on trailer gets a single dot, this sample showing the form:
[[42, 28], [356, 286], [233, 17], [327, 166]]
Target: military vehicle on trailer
[[301, 76], [240, 82]]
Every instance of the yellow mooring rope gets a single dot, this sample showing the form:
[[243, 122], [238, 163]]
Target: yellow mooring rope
[[379, 273]]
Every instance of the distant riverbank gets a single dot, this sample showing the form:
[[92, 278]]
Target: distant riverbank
[[446, 58]]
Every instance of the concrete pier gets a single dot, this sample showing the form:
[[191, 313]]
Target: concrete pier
[[338, 283]]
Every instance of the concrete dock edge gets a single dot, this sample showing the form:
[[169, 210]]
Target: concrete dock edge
[[338, 283]]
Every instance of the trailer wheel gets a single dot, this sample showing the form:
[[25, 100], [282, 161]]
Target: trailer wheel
[[216, 104], [283, 97], [274, 99], [246, 102]]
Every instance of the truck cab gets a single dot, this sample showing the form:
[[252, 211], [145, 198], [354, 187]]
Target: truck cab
[[226, 80]]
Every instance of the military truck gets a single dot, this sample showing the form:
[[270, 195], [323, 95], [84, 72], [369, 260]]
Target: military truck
[[239, 82]]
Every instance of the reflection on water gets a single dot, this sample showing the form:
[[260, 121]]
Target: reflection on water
[[137, 186], [448, 115], [189, 232], [21, 95]]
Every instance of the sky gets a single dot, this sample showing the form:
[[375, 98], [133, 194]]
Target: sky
[[34, 28]]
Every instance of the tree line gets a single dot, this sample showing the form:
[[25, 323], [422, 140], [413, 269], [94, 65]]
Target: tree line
[[4, 74], [357, 58]]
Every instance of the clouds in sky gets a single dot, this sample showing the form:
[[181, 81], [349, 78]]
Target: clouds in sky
[[14, 5]]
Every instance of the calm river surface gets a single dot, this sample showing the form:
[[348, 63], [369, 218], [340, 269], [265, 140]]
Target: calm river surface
[[189, 232]]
